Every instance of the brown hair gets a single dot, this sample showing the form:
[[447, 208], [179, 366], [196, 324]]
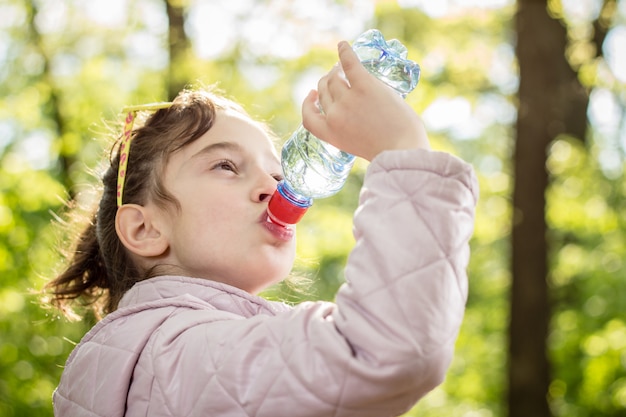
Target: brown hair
[[100, 270]]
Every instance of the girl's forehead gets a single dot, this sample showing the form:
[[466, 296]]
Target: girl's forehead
[[231, 130], [237, 121]]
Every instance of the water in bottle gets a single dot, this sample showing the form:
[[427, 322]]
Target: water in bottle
[[315, 169]]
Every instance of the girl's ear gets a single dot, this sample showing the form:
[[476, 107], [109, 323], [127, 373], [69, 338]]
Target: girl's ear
[[139, 232]]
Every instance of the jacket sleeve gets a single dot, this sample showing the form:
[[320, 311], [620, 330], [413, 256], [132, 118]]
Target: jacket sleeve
[[385, 343]]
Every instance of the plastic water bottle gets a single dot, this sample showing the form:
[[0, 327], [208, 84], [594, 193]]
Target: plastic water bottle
[[314, 168]]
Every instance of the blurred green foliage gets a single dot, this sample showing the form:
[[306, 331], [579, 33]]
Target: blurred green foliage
[[59, 93]]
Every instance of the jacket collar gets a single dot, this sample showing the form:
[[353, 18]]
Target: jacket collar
[[214, 294]]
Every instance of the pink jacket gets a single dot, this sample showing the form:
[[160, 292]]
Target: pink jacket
[[181, 346]]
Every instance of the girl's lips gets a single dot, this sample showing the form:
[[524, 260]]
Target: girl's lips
[[284, 233]]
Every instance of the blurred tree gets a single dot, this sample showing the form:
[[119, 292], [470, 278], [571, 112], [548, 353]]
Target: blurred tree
[[540, 50], [179, 47], [52, 108], [552, 101]]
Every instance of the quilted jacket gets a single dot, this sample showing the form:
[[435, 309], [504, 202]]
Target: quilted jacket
[[180, 346]]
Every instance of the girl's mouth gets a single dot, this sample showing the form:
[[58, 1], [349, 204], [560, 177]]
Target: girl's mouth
[[284, 233]]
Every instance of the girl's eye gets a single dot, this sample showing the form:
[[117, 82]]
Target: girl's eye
[[226, 165]]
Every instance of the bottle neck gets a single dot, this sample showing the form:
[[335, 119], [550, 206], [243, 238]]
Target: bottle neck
[[286, 207]]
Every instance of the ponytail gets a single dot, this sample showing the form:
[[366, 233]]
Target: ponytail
[[99, 270], [85, 279]]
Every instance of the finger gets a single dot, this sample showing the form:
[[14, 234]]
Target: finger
[[336, 82], [309, 105], [312, 118], [350, 62], [323, 95]]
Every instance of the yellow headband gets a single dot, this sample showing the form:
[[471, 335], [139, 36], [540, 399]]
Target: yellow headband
[[131, 114]]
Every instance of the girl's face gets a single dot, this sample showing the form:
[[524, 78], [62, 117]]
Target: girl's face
[[223, 182]]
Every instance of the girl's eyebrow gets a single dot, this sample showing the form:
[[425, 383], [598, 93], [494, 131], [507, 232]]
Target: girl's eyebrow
[[230, 146]]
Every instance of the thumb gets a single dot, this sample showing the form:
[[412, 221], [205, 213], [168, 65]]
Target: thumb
[[350, 62]]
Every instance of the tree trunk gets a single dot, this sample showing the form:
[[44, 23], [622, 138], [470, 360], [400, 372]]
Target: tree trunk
[[540, 48], [178, 47], [551, 101], [52, 108]]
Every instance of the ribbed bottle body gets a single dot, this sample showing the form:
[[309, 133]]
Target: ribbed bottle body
[[312, 167]]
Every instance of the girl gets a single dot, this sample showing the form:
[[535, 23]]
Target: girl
[[176, 264]]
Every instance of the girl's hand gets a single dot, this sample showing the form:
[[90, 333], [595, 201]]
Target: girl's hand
[[361, 115]]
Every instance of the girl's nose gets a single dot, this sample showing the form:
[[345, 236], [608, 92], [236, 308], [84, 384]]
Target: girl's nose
[[265, 188]]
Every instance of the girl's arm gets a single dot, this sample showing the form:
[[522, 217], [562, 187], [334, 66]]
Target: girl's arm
[[386, 342]]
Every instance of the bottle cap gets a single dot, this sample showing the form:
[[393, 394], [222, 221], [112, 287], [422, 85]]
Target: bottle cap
[[284, 212]]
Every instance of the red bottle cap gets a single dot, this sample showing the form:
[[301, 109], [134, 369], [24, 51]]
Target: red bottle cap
[[284, 212]]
